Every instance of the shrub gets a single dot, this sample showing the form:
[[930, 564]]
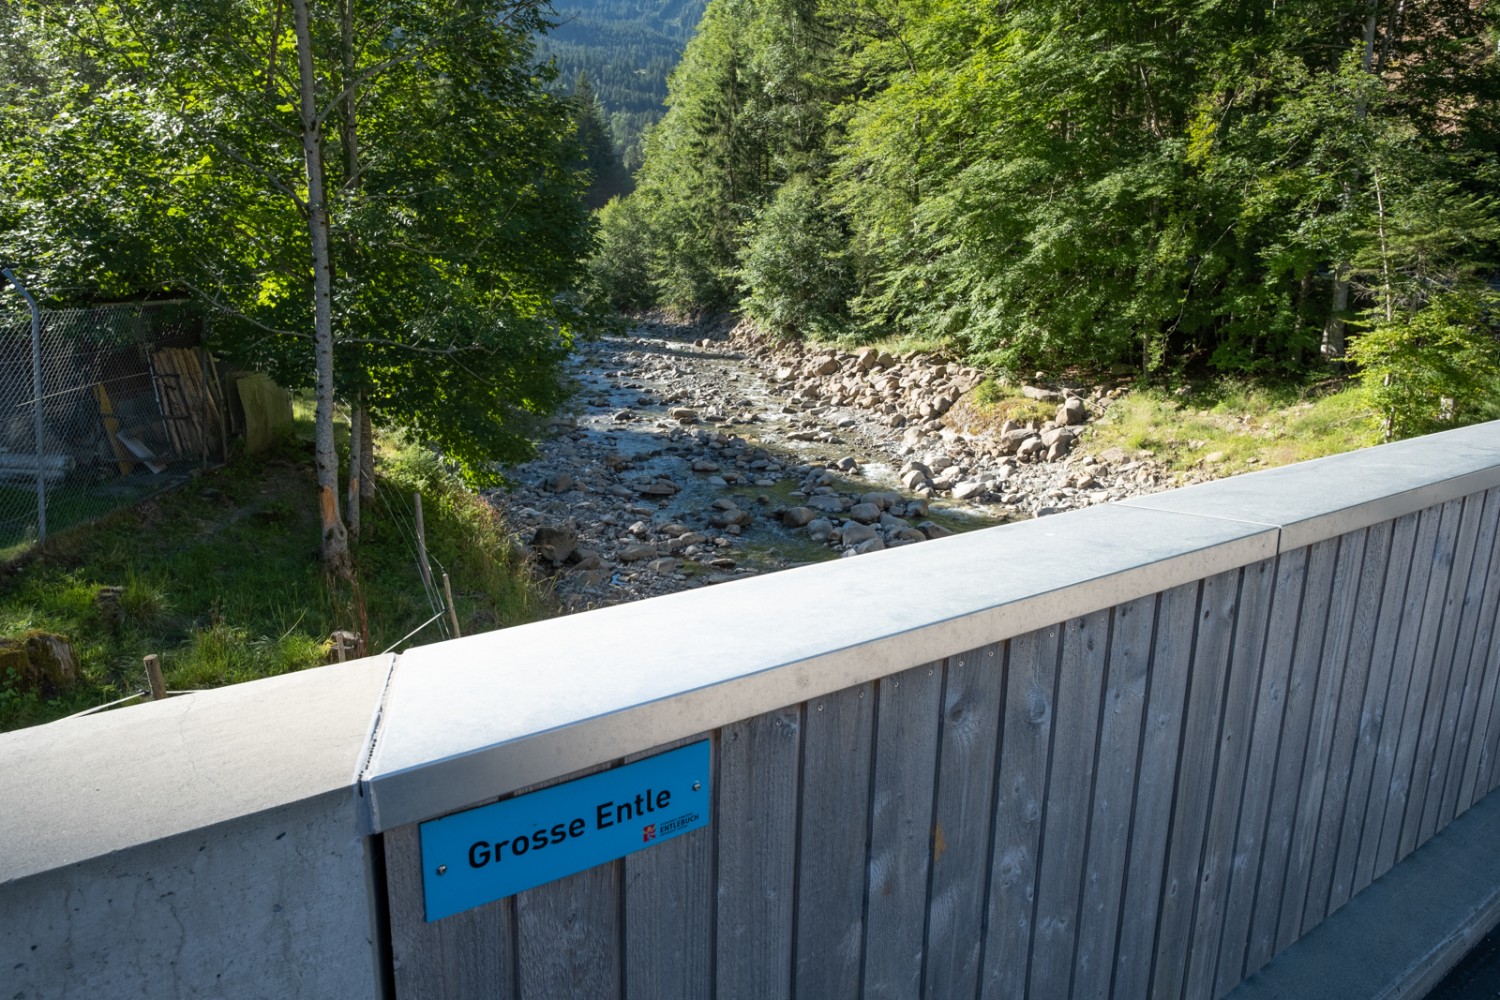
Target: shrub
[[1436, 365]]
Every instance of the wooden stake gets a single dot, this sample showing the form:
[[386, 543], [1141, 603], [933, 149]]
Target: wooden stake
[[153, 676], [452, 611], [422, 546]]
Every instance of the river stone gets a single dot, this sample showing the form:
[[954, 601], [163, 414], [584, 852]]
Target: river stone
[[703, 465], [820, 530], [683, 414], [636, 553], [865, 513], [663, 566], [932, 530], [797, 517], [560, 483], [966, 489], [827, 366], [658, 489], [854, 533], [554, 542], [831, 504], [1073, 412], [869, 545], [908, 535]]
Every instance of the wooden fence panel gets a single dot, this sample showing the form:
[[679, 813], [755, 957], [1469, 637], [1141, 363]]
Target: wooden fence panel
[[1431, 565], [1171, 663], [469, 955], [1458, 715], [1332, 657], [907, 723], [1207, 682], [1404, 546], [1131, 639], [669, 905], [1482, 660], [757, 796], [1362, 586], [833, 842], [1233, 750], [1441, 713], [1270, 705], [1065, 811], [973, 699], [1031, 675]]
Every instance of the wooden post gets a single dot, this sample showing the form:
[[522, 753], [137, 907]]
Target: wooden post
[[422, 545], [452, 611], [153, 676]]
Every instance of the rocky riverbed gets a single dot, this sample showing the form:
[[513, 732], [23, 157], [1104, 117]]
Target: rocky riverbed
[[695, 455]]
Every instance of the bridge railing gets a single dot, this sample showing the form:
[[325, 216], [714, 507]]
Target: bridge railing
[[1136, 750]]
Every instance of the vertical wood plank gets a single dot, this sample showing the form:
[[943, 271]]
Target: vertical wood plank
[[908, 718], [1414, 653], [1481, 656], [1265, 737], [833, 842], [972, 700], [1338, 799], [466, 955], [1408, 533], [1229, 781], [669, 894], [1031, 669], [1207, 683], [1119, 740], [757, 797], [1332, 670], [1441, 718], [1065, 812], [1152, 821], [569, 934], [1302, 685], [1473, 610], [1489, 758]]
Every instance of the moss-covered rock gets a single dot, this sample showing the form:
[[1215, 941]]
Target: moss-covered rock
[[39, 661]]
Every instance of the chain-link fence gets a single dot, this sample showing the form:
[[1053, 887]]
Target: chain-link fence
[[129, 404]]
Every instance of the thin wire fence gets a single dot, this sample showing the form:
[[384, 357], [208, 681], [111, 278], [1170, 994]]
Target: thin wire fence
[[129, 405]]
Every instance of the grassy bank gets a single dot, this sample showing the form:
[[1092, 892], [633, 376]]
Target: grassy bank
[[221, 578]]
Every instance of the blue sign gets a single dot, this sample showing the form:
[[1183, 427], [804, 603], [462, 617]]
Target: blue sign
[[498, 850]]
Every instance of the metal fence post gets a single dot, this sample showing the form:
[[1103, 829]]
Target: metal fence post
[[36, 385]]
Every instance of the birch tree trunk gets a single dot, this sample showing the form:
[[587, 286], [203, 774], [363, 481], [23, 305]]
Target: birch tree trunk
[[335, 538], [1334, 331]]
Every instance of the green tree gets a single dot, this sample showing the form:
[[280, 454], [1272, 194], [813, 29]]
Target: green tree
[[427, 274]]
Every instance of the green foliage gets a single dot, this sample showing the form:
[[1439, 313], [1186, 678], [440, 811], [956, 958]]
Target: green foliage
[[1429, 367], [156, 146], [792, 269], [1178, 187], [620, 270]]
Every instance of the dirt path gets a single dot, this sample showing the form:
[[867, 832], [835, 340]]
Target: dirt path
[[688, 460]]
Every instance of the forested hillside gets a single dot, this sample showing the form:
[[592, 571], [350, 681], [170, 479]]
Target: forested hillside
[[1180, 184], [626, 48]]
